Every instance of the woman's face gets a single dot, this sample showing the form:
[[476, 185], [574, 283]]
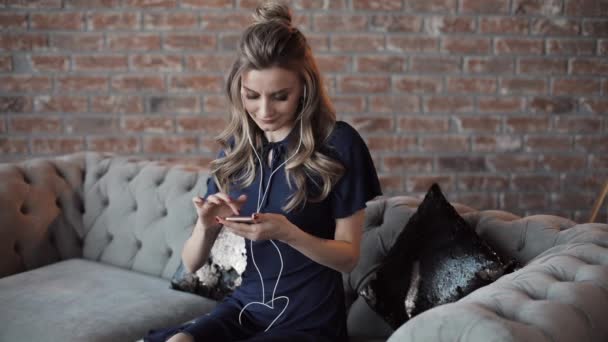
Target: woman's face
[[271, 97]]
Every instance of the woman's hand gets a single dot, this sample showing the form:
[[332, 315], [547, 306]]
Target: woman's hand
[[219, 204], [264, 227]]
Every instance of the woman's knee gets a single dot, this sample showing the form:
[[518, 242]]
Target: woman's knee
[[181, 337]]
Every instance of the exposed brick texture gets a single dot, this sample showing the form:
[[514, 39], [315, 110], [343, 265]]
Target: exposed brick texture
[[503, 102]]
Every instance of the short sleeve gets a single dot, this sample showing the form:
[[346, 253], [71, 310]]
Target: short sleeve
[[212, 187], [359, 183]]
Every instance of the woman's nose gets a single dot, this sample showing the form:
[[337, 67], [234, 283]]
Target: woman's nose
[[265, 108]]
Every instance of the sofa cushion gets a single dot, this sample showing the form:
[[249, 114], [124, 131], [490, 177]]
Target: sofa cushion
[[437, 258], [82, 300]]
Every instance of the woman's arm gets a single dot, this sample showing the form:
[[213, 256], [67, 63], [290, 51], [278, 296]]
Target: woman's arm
[[340, 254], [197, 248]]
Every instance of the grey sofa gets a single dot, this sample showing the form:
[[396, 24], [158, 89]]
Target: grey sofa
[[89, 241]]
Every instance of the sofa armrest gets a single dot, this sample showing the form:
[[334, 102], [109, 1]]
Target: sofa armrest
[[40, 212]]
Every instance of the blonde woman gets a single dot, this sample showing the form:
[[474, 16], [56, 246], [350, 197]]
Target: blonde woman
[[298, 182]]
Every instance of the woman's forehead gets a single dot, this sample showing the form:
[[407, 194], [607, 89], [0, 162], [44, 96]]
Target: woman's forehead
[[269, 80]]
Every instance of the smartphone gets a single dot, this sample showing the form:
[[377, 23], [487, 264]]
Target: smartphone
[[240, 219]]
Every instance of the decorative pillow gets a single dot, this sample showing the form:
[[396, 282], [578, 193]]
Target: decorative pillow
[[222, 272], [437, 259]]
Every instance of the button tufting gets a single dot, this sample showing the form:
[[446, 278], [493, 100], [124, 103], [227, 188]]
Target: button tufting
[[134, 207], [110, 237], [105, 202], [138, 244], [169, 252], [26, 179], [24, 209], [164, 212], [160, 181], [58, 203]]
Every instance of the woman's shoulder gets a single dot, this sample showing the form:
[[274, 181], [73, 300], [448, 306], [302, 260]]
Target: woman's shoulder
[[343, 134]]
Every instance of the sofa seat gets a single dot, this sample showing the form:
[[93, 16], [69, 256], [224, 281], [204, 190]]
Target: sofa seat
[[82, 300]]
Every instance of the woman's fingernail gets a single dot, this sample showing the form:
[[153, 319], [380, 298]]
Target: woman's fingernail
[[217, 219]]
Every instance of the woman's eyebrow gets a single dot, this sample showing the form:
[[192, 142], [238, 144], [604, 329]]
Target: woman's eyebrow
[[276, 92]]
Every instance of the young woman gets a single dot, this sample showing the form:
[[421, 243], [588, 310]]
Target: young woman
[[301, 177]]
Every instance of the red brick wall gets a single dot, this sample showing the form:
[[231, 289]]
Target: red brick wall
[[500, 101]]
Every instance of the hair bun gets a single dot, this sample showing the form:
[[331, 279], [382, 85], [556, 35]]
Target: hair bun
[[272, 11]]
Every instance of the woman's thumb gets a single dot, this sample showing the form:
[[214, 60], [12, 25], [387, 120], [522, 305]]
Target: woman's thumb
[[198, 201]]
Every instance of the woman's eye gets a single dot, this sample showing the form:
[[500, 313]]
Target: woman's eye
[[281, 98], [251, 97]]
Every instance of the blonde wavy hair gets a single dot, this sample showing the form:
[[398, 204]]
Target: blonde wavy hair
[[272, 41]]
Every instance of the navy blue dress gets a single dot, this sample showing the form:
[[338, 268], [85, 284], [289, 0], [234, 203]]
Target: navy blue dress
[[316, 309]]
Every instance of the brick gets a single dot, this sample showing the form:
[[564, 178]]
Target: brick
[[169, 144], [34, 4], [365, 84], [448, 104], [196, 83], [391, 184], [579, 86], [114, 144], [147, 124], [13, 21], [496, 143], [201, 124], [445, 143], [57, 21], [534, 182], [561, 162], [130, 82], [479, 200], [333, 63], [598, 162], [391, 143], [417, 84], [538, 7], [577, 46], [315, 4], [117, 104], [555, 27], [3, 127], [339, 22], [57, 146], [23, 41], [112, 21], [381, 63], [396, 23], [572, 200], [209, 63], [602, 47], [466, 45], [173, 104], [206, 4], [534, 143], [511, 162], [435, 64], [92, 124], [594, 105], [591, 143], [6, 63], [394, 104], [594, 67], [431, 6], [408, 164], [519, 46], [348, 104], [25, 83], [77, 41], [151, 3], [225, 22], [35, 124], [88, 4], [527, 124], [215, 103], [485, 6], [525, 201], [501, 104], [320, 42], [170, 21], [489, 65], [471, 85], [423, 183], [448, 24], [100, 63], [60, 104], [522, 86], [13, 145], [461, 164], [369, 123], [504, 25], [423, 124], [15, 104], [82, 83], [553, 105], [133, 42], [353, 43], [533, 65], [156, 62], [377, 5], [412, 44], [586, 8], [49, 63], [477, 123], [587, 181], [595, 28], [482, 182]]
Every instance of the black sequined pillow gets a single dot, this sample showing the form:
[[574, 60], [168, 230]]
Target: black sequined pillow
[[437, 259], [223, 285]]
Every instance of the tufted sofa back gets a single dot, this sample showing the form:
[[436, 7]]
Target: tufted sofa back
[[131, 213]]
